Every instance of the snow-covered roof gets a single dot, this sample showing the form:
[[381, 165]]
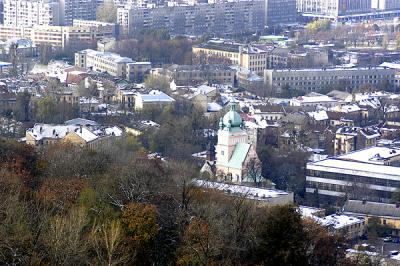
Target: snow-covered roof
[[314, 98], [108, 56], [357, 168], [338, 221], [87, 132], [213, 107], [156, 96], [319, 115], [309, 212], [348, 108], [375, 155], [246, 191]]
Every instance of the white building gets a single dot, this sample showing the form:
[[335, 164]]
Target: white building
[[370, 174], [313, 99], [30, 13], [154, 98], [111, 63]]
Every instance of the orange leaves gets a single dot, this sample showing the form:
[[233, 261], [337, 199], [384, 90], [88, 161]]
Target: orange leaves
[[63, 191], [140, 222]]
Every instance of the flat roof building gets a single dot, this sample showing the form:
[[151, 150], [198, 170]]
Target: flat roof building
[[370, 174], [308, 80]]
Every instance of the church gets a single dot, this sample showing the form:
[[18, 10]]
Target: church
[[234, 158]]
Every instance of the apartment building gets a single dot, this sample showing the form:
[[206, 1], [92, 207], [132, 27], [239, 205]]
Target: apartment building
[[220, 18], [247, 56], [371, 174], [26, 13], [103, 29], [58, 36], [190, 75], [280, 12], [77, 9], [308, 80], [344, 10], [112, 64]]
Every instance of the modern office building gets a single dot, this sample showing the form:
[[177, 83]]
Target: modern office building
[[220, 18], [29, 13], [371, 174], [308, 80]]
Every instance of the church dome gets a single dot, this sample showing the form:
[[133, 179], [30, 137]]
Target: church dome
[[232, 118]]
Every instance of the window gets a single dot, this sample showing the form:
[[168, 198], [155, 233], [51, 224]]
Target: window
[[222, 152]]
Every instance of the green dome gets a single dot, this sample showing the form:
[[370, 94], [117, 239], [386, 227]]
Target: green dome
[[232, 118]]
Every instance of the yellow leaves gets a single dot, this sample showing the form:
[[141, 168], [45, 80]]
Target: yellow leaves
[[140, 222]]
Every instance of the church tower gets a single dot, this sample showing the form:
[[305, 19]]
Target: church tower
[[230, 133]]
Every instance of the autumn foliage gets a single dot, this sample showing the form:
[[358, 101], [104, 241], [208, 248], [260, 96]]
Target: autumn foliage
[[140, 222]]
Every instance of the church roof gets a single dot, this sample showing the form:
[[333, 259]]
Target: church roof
[[238, 156], [232, 118]]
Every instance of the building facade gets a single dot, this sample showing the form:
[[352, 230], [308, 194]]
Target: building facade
[[57, 36], [77, 9], [112, 64], [371, 174], [280, 12], [29, 13], [308, 80], [190, 75], [247, 56], [220, 18], [349, 10]]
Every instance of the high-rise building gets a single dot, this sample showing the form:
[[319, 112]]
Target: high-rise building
[[29, 13], [280, 12], [220, 18], [77, 9]]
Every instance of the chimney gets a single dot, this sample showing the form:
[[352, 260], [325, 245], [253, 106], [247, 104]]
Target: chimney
[[397, 205], [364, 201]]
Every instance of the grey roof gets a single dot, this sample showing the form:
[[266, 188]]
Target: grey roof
[[80, 122], [371, 208]]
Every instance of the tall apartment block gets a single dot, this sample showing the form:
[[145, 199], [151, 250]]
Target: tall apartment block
[[77, 9], [28, 13], [280, 12], [219, 18]]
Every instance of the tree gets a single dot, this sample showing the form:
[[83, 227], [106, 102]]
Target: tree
[[197, 249], [64, 238], [107, 241], [63, 192], [157, 83], [107, 12], [252, 171], [281, 238], [22, 111], [377, 229], [139, 221], [319, 25]]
